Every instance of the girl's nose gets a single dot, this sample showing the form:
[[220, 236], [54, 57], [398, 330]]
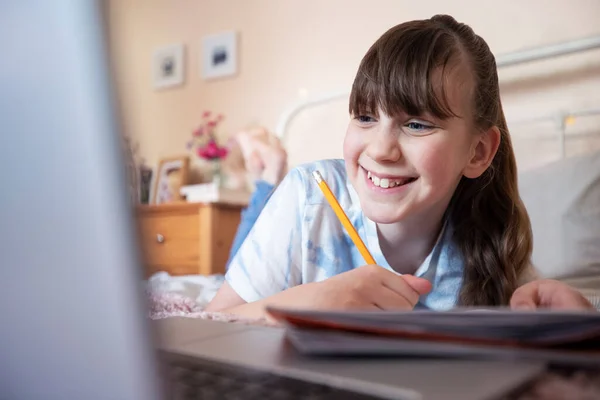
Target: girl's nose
[[384, 146]]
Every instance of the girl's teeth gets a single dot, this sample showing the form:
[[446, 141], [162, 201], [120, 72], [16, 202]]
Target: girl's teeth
[[382, 182]]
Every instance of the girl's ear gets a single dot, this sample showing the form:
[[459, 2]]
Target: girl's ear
[[483, 150]]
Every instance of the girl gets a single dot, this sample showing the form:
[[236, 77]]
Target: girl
[[429, 181]]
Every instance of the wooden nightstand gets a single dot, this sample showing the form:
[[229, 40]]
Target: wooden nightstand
[[187, 238]]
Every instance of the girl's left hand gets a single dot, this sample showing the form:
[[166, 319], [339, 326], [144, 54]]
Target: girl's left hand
[[549, 294]]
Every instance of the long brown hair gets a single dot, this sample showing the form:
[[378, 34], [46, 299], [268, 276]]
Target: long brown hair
[[491, 226]]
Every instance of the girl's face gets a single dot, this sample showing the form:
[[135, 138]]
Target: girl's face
[[408, 166]]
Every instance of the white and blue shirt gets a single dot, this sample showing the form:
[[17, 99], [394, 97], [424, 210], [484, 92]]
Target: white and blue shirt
[[298, 239]]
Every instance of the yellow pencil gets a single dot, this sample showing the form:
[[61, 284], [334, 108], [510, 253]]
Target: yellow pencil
[[343, 218]]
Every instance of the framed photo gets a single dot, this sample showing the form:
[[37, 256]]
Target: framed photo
[[219, 55], [171, 174], [168, 66]]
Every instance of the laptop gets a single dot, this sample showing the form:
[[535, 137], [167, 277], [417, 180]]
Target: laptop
[[74, 323]]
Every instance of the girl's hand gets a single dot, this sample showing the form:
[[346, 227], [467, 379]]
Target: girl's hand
[[548, 293], [370, 287]]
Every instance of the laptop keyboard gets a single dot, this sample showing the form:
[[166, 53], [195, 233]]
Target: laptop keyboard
[[191, 378]]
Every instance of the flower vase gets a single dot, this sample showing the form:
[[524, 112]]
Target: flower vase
[[217, 173]]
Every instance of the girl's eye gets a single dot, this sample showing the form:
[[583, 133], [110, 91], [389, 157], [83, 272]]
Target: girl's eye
[[419, 127], [365, 119]]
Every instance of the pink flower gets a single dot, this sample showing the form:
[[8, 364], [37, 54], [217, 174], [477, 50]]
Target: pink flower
[[212, 151], [205, 133]]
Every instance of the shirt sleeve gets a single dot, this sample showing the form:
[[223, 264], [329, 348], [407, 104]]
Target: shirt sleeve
[[250, 215], [269, 260]]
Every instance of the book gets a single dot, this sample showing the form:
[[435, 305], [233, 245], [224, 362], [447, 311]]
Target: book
[[214, 193], [459, 333]]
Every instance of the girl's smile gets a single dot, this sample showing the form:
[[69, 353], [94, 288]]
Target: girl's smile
[[387, 184]]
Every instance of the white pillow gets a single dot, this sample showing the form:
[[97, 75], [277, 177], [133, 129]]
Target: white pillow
[[563, 202]]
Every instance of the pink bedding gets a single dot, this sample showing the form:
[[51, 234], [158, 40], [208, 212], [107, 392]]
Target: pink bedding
[[164, 305]]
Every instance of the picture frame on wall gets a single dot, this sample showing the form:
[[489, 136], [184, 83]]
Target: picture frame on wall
[[170, 175], [168, 67], [219, 57]]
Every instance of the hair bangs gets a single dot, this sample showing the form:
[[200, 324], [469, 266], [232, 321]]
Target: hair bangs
[[406, 71]]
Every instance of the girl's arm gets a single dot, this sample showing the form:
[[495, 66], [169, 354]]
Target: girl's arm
[[269, 259], [228, 301], [369, 287]]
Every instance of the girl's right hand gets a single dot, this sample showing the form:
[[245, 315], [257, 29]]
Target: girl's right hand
[[369, 287]]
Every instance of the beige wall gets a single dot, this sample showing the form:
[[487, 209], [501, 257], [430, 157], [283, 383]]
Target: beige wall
[[290, 48]]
